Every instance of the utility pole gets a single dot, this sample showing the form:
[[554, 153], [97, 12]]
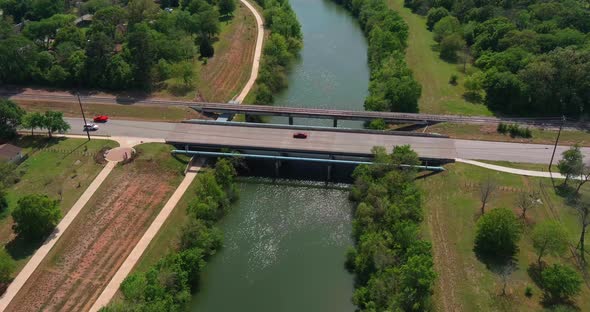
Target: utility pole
[[556, 141], [83, 116]]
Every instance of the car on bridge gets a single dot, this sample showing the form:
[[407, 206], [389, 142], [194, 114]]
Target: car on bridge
[[101, 118], [300, 135]]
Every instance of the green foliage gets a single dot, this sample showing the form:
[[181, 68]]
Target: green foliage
[[167, 286], [35, 216], [560, 282], [514, 130], [10, 118], [54, 122], [7, 266], [280, 49], [393, 266], [226, 7], [528, 291], [392, 86], [377, 124], [498, 233], [121, 49], [571, 164], [449, 46], [549, 238], [534, 53], [3, 200], [453, 79]]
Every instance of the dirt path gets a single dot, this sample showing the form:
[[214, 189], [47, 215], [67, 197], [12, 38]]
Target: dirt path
[[77, 269], [42, 252], [113, 286], [236, 62]]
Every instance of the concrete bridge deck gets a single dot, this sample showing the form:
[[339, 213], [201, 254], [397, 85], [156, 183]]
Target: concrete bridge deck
[[318, 142]]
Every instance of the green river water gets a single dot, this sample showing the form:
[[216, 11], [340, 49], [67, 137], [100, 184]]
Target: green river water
[[285, 241]]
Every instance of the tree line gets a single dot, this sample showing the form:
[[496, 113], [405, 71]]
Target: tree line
[[168, 284], [280, 49], [393, 266], [13, 117], [532, 57], [392, 86], [129, 43]]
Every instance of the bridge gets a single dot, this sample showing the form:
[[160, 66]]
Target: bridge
[[320, 143], [335, 115]]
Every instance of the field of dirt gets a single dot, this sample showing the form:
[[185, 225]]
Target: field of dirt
[[228, 71], [81, 264]]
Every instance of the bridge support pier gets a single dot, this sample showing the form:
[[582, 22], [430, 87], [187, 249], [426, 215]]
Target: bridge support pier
[[329, 175], [277, 166], [335, 123], [290, 120]]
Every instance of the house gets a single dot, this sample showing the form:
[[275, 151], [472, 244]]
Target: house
[[10, 153]]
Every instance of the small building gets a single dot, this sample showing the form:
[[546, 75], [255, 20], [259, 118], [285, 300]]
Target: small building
[[10, 153]]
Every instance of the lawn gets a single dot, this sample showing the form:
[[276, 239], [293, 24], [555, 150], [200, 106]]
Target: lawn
[[119, 111], [451, 208], [489, 133], [109, 226], [438, 96], [53, 167]]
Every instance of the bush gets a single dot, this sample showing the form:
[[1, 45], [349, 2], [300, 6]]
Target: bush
[[502, 128], [514, 130], [497, 236], [560, 282], [35, 216], [453, 79], [7, 266], [528, 291], [377, 124]]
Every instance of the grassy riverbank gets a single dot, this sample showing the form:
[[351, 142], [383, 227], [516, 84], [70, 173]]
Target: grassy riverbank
[[465, 283]]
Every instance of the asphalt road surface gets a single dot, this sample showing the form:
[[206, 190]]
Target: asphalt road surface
[[324, 141]]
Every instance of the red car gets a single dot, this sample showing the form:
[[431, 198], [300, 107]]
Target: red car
[[101, 118], [300, 135]]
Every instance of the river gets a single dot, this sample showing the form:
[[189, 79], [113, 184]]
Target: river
[[285, 241], [332, 72]]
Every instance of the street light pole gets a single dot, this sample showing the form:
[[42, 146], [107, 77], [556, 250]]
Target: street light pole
[[83, 116]]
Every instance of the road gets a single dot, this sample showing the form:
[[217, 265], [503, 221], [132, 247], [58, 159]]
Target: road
[[325, 141]]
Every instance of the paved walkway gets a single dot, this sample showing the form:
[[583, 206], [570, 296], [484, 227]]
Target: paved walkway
[[40, 254], [529, 173], [257, 54], [113, 286]]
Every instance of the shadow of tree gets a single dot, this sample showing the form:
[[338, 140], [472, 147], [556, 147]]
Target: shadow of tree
[[20, 248], [473, 97]]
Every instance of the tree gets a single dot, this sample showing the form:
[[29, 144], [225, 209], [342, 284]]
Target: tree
[[525, 201], [142, 46], [549, 238], [226, 7], [141, 11], [3, 200], [33, 121], [560, 282], [35, 216], [446, 26], [505, 271], [449, 46], [54, 122], [7, 266], [572, 163], [497, 235], [583, 210], [487, 187], [45, 8], [10, 118], [435, 15]]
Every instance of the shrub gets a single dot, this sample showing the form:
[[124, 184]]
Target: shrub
[[502, 128], [377, 124], [560, 282], [7, 266], [528, 291], [35, 216], [453, 79], [498, 233]]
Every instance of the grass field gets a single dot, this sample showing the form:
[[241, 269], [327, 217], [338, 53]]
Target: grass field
[[91, 250], [121, 111], [65, 166], [464, 283], [223, 76], [438, 96], [489, 133]]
